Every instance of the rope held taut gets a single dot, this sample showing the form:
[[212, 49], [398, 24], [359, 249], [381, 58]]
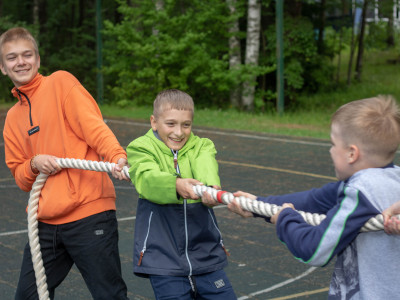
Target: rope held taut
[[258, 207], [268, 210]]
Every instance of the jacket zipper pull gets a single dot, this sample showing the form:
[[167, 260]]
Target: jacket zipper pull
[[226, 251], [175, 159], [140, 258]]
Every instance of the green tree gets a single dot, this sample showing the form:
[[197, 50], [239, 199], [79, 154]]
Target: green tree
[[183, 45]]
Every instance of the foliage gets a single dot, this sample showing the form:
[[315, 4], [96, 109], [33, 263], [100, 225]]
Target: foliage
[[184, 45], [305, 69], [376, 37], [65, 33], [310, 119], [76, 55]]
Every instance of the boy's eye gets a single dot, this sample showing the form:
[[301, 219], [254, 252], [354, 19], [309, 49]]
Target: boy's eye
[[187, 125]]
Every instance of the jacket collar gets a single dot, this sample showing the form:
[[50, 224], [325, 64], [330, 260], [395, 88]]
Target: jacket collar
[[155, 137], [28, 88]]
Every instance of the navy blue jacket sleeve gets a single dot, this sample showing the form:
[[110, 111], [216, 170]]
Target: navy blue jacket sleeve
[[318, 200], [317, 245]]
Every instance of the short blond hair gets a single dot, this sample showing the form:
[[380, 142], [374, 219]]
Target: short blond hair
[[17, 33], [172, 99], [374, 123]]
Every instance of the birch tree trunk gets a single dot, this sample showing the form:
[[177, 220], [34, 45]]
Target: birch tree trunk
[[321, 27], [159, 4], [359, 61], [352, 46], [234, 52], [35, 13], [252, 51], [342, 25], [389, 11]]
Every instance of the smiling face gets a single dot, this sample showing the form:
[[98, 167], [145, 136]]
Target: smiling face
[[19, 61], [173, 126]]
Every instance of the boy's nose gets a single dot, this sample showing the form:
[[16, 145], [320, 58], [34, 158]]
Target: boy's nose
[[178, 131], [20, 60]]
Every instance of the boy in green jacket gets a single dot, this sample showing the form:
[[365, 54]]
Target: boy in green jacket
[[177, 243]]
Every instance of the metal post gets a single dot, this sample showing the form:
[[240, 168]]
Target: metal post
[[99, 47], [279, 57]]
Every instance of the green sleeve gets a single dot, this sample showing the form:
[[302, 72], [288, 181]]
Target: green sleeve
[[204, 164], [146, 174]]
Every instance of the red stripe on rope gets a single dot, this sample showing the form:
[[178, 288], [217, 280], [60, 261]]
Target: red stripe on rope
[[219, 196]]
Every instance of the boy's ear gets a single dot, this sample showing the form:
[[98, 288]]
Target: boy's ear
[[353, 154], [153, 123], [3, 70]]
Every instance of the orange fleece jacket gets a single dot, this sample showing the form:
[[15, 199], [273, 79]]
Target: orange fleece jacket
[[71, 126]]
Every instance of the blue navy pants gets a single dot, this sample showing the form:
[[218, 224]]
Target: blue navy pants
[[91, 243], [209, 286]]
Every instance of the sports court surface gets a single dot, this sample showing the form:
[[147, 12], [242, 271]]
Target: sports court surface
[[260, 267]]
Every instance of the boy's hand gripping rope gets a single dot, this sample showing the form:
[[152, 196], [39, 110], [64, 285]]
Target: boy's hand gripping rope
[[258, 207]]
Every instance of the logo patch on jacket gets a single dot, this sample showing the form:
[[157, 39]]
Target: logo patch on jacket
[[219, 283], [99, 232]]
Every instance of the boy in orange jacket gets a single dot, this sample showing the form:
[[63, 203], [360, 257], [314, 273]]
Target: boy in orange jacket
[[57, 117]]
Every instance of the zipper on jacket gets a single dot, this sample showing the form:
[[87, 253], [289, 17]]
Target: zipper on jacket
[[145, 241], [187, 238], [175, 153], [220, 234], [29, 102], [33, 129], [176, 166]]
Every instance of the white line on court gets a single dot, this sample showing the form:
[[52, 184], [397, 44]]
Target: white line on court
[[276, 286], [8, 186], [16, 232]]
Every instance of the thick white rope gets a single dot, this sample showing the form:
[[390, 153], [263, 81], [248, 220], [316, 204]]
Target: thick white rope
[[33, 235], [258, 207], [33, 204], [268, 210]]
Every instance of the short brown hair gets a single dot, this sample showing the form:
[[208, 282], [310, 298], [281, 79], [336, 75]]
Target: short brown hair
[[14, 34], [372, 122], [172, 99]]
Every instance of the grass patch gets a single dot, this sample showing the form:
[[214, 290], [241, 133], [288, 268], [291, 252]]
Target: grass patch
[[308, 124]]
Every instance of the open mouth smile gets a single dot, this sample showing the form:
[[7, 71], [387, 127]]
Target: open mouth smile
[[175, 140]]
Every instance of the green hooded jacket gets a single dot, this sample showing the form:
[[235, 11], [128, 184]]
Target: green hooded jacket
[[166, 225], [152, 169]]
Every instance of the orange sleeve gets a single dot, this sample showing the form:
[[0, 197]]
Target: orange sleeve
[[85, 119]]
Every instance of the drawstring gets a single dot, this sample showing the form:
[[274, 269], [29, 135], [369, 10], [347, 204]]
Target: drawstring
[[55, 241], [35, 129], [193, 286]]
